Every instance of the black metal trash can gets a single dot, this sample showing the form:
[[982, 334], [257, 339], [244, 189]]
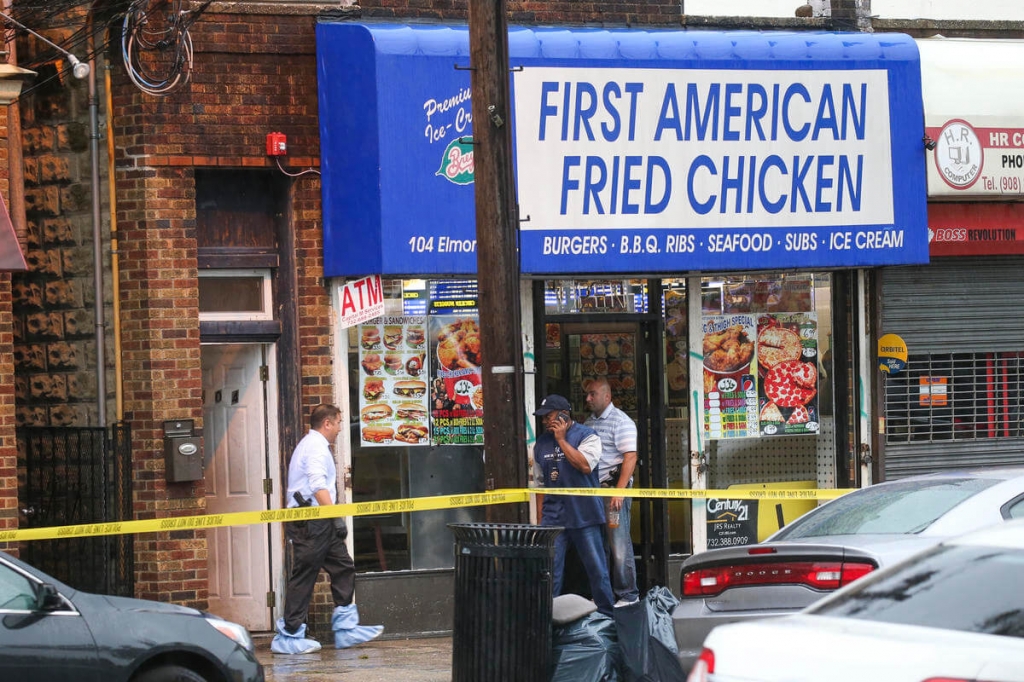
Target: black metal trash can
[[502, 630]]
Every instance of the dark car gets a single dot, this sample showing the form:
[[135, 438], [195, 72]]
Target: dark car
[[51, 631], [834, 545]]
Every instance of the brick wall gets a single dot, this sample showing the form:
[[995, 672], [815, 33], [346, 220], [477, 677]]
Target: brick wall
[[54, 320], [650, 13], [252, 74]]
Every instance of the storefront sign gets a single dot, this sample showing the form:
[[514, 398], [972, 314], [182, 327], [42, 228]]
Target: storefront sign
[[636, 151], [361, 300], [892, 354], [976, 229], [976, 126]]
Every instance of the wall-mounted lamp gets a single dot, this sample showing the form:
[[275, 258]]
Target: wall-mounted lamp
[[929, 143], [11, 79], [79, 69]]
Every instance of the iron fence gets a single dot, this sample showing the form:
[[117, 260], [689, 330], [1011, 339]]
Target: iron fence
[[76, 475]]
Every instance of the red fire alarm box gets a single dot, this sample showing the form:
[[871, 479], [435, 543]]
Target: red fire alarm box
[[277, 144]]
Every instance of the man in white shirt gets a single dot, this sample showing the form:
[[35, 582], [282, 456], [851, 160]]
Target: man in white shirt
[[618, 460], [318, 543]]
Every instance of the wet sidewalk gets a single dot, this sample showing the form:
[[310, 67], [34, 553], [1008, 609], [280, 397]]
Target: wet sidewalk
[[402, 660]]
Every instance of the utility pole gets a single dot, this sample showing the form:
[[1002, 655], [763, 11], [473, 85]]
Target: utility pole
[[497, 257]]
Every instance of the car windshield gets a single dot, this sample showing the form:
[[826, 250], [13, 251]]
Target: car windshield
[[894, 508], [968, 588]]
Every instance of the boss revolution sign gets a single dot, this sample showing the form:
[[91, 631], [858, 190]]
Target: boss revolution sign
[[636, 152]]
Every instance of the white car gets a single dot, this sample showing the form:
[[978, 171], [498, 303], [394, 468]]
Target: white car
[[954, 613], [835, 544]]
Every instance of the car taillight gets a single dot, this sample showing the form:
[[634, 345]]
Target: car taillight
[[821, 575], [704, 666]]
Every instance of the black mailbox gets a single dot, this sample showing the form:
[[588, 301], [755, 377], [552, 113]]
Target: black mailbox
[[183, 456]]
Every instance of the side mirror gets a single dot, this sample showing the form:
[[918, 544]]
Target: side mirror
[[47, 598]]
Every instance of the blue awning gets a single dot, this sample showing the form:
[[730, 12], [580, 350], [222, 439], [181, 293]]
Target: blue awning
[[636, 151]]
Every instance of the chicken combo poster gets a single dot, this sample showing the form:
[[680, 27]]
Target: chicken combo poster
[[420, 381], [760, 375]]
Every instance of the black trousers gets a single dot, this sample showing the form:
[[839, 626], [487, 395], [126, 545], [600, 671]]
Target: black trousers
[[316, 544]]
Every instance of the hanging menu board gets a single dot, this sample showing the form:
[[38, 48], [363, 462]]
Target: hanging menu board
[[454, 297], [393, 381], [456, 392]]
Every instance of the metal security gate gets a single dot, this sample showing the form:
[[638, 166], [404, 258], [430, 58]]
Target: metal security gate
[[960, 402], [69, 476]]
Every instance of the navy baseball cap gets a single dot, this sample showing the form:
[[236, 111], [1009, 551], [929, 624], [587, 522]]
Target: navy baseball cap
[[553, 403]]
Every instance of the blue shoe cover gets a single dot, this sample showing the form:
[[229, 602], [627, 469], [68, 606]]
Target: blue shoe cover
[[285, 642], [347, 630]]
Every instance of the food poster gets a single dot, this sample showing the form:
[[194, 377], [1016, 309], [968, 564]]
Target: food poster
[[393, 381], [730, 370], [787, 360], [611, 356], [677, 353], [456, 393], [552, 335]]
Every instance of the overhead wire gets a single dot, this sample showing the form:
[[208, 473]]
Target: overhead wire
[[156, 45]]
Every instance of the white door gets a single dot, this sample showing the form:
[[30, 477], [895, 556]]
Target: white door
[[237, 423]]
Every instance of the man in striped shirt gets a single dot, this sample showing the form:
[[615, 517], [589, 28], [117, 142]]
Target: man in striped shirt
[[618, 460]]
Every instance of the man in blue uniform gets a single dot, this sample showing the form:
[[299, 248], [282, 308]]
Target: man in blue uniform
[[566, 456]]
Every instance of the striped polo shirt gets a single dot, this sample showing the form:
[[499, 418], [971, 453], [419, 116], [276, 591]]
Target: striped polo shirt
[[618, 435]]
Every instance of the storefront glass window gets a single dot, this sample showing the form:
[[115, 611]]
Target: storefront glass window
[[417, 420], [767, 387]]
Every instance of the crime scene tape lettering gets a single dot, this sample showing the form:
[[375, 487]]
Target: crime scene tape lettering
[[416, 504]]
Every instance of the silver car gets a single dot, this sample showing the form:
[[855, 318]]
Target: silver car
[[834, 545]]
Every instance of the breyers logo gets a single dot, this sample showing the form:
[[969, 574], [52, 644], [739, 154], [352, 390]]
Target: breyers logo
[[457, 164], [958, 154]]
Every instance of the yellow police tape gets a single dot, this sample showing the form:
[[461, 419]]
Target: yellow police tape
[[414, 504]]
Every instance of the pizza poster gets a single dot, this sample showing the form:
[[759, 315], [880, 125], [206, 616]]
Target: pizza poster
[[787, 361], [730, 366], [456, 392], [393, 381]]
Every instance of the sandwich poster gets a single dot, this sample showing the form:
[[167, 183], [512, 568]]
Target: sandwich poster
[[393, 381], [456, 394]]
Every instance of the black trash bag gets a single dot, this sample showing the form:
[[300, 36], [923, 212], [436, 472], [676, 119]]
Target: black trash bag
[[586, 650], [641, 627], [660, 604], [633, 633]]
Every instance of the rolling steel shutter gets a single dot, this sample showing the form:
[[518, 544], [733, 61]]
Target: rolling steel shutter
[[960, 401]]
